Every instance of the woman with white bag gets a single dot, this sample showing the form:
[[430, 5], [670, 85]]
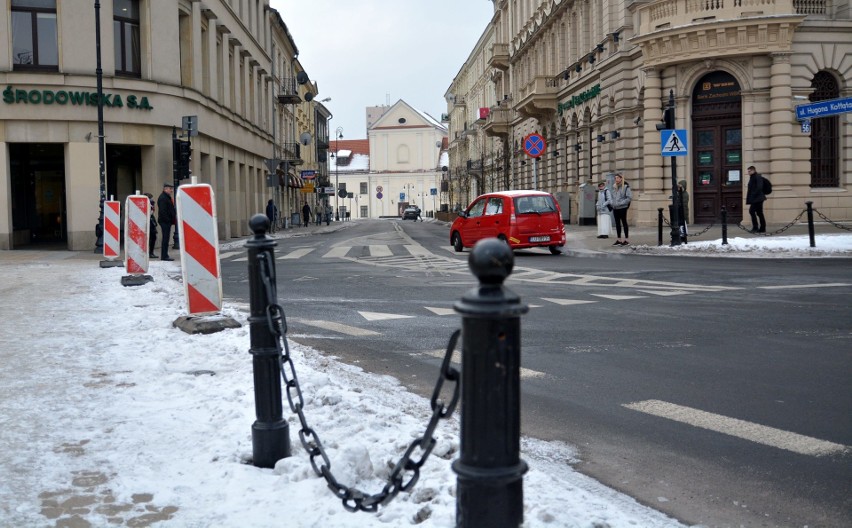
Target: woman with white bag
[[604, 208]]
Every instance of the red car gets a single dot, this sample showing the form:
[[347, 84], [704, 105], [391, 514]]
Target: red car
[[523, 219]]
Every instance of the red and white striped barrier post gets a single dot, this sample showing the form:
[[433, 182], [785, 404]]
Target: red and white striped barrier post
[[136, 225], [112, 223], [199, 249]]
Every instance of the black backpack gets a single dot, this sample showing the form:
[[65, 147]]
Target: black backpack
[[767, 186]]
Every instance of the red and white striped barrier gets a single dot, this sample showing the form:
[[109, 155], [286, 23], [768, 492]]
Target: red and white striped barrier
[[112, 223], [136, 224], [199, 246]]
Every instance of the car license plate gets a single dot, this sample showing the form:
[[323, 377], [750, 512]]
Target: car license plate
[[540, 239]]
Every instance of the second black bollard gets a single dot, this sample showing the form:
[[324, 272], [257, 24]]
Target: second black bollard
[[724, 227], [270, 433], [490, 471], [811, 236]]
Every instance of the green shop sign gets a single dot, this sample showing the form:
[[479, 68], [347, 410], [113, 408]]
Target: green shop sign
[[576, 100], [75, 98]]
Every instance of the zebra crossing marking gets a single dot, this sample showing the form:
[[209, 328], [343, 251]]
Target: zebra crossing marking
[[337, 252], [380, 251], [566, 302], [376, 316], [440, 311], [296, 254]]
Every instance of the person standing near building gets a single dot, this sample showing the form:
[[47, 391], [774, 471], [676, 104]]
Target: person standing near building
[[755, 199], [604, 208], [167, 217], [152, 229], [621, 198], [306, 214]]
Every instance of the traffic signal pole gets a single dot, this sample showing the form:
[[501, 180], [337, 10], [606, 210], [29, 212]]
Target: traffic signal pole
[[674, 209]]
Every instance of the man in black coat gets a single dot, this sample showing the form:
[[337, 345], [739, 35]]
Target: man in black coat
[[167, 217], [755, 199]]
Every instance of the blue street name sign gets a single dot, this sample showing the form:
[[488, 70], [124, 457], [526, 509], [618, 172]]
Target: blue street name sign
[[824, 108], [673, 142]]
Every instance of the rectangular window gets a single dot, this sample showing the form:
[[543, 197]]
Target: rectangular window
[[125, 24], [363, 189], [34, 38]]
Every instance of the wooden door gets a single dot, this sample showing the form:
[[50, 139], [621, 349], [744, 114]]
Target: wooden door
[[717, 169]]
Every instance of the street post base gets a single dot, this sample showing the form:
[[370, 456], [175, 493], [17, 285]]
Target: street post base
[[136, 280], [205, 324]]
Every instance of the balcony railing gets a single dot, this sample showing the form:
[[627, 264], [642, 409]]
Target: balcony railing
[[289, 92], [292, 153], [499, 57], [674, 13]]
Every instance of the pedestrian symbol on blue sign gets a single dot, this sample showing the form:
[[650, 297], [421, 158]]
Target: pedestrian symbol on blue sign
[[674, 142]]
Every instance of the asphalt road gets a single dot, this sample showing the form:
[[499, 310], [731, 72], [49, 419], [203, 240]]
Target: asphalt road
[[713, 389]]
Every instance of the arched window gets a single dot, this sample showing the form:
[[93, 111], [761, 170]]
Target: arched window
[[825, 137]]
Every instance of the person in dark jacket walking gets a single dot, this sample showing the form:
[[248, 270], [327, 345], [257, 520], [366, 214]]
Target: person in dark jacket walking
[[755, 199], [306, 214], [152, 229], [167, 217], [271, 214]]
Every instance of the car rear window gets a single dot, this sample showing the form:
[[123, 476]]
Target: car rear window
[[534, 204]]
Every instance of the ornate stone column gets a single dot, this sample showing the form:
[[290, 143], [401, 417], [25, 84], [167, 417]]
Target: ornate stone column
[[781, 120]]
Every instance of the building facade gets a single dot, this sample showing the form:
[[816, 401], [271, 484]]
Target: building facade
[[404, 165], [594, 77], [227, 63]]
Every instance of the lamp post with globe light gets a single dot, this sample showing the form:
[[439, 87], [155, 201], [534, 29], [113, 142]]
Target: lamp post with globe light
[[338, 134]]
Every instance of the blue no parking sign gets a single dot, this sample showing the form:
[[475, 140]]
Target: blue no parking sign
[[534, 145]]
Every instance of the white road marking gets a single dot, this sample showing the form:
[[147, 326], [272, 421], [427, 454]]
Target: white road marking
[[335, 327], [295, 254], [417, 250], [794, 286], [666, 293], [619, 297], [753, 432], [566, 302], [456, 360], [380, 251], [230, 254], [243, 259], [440, 311], [337, 252], [376, 316]]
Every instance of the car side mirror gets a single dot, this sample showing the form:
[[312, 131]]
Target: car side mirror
[[462, 214]]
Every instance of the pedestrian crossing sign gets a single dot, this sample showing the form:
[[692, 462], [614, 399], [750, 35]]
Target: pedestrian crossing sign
[[673, 142]]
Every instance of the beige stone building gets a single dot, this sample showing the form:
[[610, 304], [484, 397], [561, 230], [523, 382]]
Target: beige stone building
[[593, 78], [402, 165], [231, 64]]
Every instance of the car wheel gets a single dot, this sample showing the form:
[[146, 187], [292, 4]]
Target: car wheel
[[556, 250], [457, 243]]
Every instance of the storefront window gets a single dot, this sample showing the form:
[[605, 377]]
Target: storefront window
[[34, 41], [126, 30]]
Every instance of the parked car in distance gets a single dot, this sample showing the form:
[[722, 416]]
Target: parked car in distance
[[523, 219], [412, 212]]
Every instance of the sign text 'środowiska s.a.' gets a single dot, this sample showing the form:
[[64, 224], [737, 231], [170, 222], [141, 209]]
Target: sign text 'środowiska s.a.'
[[73, 97]]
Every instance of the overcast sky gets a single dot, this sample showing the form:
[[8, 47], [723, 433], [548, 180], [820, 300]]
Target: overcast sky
[[373, 52]]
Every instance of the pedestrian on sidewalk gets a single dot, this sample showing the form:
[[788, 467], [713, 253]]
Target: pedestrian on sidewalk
[[306, 214], [167, 217], [621, 198], [271, 213], [755, 199], [152, 229], [604, 208]]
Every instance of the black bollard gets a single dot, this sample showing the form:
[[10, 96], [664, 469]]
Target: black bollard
[[270, 433], [810, 206], [659, 226], [490, 471], [724, 227]]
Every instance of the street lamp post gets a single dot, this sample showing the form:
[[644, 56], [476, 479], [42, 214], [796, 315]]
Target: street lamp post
[[99, 229], [338, 134]]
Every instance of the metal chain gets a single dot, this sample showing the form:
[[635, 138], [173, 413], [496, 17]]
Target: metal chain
[[354, 499], [835, 224], [691, 235], [777, 231]]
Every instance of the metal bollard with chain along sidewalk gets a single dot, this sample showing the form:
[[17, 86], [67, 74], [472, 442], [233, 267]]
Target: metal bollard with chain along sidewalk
[[490, 471], [270, 433]]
